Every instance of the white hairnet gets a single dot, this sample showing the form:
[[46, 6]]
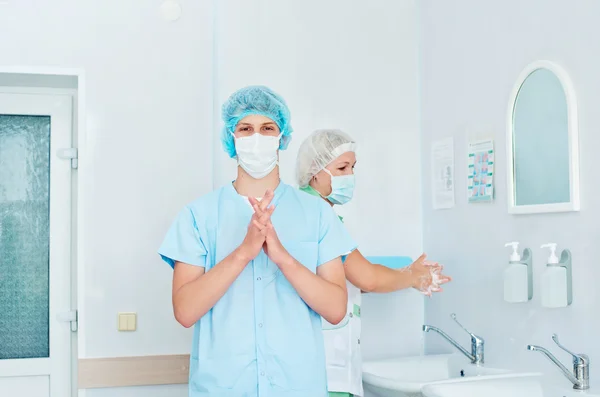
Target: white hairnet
[[318, 151]]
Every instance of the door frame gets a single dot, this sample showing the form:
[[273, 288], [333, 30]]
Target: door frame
[[59, 108], [29, 77]]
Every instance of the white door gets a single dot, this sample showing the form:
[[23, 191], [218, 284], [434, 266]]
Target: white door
[[35, 245]]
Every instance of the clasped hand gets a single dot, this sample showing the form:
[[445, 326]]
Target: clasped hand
[[261, 234]]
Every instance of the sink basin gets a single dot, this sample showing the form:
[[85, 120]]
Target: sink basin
[[406, 376], [518, 386]]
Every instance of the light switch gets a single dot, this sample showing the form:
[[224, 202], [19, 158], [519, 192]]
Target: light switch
[[122, 326], [132, 322], [127, 322]]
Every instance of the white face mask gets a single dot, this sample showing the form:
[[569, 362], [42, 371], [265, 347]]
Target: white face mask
[[257, 154]]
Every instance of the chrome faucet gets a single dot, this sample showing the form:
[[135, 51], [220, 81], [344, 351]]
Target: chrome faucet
[[580, 377], [476, 355]]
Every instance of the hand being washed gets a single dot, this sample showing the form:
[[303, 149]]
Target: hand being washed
[[427, 276]]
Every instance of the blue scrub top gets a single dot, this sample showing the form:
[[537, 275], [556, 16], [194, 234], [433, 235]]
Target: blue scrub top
[[260, 339]]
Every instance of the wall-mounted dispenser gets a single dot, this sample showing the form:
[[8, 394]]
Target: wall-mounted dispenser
[[557, 279], [518, 276]]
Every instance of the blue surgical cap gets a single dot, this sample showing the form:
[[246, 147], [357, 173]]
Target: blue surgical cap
[[254, 100]]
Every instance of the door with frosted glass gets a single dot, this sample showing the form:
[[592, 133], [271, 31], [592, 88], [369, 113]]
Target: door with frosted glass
[[35, 245]]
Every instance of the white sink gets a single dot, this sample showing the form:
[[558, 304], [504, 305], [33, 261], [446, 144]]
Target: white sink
[[406, 376], [523, 386], [519, 386]]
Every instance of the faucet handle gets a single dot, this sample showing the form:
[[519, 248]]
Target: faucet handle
[[578, 359], [453, 316]]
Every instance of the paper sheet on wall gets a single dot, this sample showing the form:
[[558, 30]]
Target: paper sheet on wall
[[480, 183], [442, 155]]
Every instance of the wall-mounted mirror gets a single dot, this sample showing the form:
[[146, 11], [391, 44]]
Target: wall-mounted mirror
[[542, 144]]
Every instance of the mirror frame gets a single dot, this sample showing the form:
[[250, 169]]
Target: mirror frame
[[572, 125]]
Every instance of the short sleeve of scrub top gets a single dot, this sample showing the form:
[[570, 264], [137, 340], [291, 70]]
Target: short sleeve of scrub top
[[182, 242], [334, 239]]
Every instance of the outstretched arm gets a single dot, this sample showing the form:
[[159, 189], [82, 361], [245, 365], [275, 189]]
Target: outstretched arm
[[370, 277]]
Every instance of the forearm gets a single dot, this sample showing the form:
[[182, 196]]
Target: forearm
[[326, 298], [194, 299], [389, 280], [371, 277]]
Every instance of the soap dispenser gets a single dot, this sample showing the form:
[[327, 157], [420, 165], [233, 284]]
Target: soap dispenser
[[518, 276], [556, 282]]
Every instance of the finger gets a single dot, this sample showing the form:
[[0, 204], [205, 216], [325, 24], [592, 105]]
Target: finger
[[269, 194], [437, 270], [253, 201], [258, 225], [431, 264], [443, 280], [265, 218], [436, 289], [267, 198], [262, 217], [422, 258], [269, 212], [257, 211]]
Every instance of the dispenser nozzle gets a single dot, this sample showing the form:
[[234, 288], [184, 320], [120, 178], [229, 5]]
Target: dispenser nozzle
[[514, 256], [553, 259]]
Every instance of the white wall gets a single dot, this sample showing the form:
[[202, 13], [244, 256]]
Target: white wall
[[148, 146], [471, 55], [349, 65], [149, 121]]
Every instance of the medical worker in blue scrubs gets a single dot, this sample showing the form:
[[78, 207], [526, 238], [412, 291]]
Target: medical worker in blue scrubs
[[325, 169], [256, 265]]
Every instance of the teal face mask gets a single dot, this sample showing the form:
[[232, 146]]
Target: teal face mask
[[342, 188]]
